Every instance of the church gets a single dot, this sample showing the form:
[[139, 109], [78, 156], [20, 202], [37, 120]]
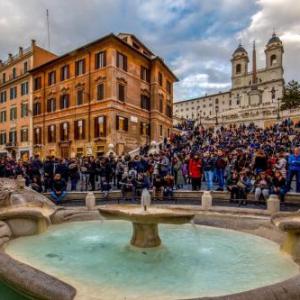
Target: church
[[254, 95]]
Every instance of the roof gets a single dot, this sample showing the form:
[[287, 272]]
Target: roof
[[106, 37], [274, 39], [203, 97], [240, 49]]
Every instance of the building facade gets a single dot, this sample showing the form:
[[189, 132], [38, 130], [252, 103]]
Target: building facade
[[254, 96], [16, 100], [111, 91]]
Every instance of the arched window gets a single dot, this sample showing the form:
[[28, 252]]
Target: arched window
[[238, 68], [273, 59]]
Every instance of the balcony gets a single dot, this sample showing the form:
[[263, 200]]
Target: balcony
[[10, 145]]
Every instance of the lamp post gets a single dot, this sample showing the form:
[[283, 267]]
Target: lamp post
[[217, 110]]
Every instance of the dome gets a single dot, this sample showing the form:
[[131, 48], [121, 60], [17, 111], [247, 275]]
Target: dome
[[274, 39], [240, 49]]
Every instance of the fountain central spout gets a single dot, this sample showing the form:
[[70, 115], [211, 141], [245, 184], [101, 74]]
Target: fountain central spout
[[145, 199]]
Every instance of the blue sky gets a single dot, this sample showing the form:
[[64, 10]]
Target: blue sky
[[195, 37]]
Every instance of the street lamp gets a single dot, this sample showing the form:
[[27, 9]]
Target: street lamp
[[217, 110]]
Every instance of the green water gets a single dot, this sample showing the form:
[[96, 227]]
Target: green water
[[8, 294], [195, 261]]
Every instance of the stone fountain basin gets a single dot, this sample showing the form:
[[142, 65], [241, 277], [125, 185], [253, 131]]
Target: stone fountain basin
[[153, 215]]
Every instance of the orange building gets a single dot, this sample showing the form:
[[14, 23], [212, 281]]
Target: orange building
[[16, 100], [111, 91]]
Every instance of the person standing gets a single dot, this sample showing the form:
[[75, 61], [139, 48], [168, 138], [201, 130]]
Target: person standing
[[220, 170], [195, 172], [294, 169]]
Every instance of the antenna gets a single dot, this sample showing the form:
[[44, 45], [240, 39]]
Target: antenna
[[48, 28]]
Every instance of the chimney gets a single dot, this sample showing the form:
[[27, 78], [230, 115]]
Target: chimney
[[10, 57], [20, 51], [33, 43], [1, 63]]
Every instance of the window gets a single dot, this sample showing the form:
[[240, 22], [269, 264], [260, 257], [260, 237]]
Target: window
[[51, 134], [160, 130], [169, 87], [25, 66], [79, 97], [3, 138], [64, 131], [273, 59], [121, 61], [14, 73], [51, 105], [3, 78], [24, 88], [79, 130], [100, 91], [24, 109], [36, 108], [122, 123], [145, 74], [80, 67], [160, 78], [100, 126], [13, 113], [64, 72], [238, 68], [161, 103], [238, 99], [145, 102], [51, 78], [37, 83], [121, 92], [13, 93], [3, 97], [217, 101], [145, 129], [169, 112], [37, 136], [64, 101], [13, 136], [3, 116], [100, 60], [24, 135]]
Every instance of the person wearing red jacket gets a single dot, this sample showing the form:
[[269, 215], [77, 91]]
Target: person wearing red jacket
[[195, 172]]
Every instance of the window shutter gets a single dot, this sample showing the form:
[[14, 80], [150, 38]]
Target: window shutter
[[97, 62], [61, 131], [68, 130], [117, 123], [83, 129], [96, 128], [49, 134], [126, 124], [141, 128], [104, 125], [83, 66], [68, 100], [61, 101], [49, 105], [125, 63], [104, 59], [118, 59], [76, 130], [149, 129]]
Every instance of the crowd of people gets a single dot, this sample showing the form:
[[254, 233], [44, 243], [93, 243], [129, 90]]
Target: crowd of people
[[238, 159]]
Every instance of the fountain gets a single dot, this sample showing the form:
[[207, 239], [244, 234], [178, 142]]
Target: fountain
[[48, 256]]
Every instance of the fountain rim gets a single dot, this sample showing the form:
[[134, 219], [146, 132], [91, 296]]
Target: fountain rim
[[279, 291]]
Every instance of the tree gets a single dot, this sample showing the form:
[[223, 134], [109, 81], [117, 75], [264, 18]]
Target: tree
[[291, 96]]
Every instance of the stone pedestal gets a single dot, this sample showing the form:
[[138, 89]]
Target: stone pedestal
[[273, 204], [206, 200], [145, 235], [90, 201]]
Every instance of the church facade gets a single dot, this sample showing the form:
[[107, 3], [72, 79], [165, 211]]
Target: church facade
[[254, 95]]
